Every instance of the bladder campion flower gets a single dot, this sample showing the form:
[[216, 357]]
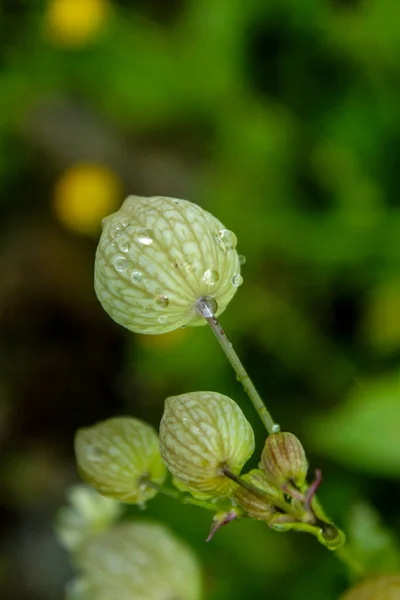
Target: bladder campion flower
[[117, 456], [201, 435], [141, 561], [156, 257], [284, 460]]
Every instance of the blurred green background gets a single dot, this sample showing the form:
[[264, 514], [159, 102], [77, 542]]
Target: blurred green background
[[282, 119]]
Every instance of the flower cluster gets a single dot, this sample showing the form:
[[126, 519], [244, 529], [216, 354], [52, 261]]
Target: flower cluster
[[205, 441], [164, 263]]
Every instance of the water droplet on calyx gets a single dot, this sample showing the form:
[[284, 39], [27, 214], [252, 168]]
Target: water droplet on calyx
[[124, 245], [120, 264], [237, 280], [136, 276], [162, 300], [94, 453], [211, 276], [184, 267], [206, 306], [163, 319], [226, 240], [242, 259], [115, 231], [145, 238]]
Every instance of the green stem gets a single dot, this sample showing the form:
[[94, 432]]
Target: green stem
[[242, 375], [268, 498], [346, 556], [205, 309], [181, 497]]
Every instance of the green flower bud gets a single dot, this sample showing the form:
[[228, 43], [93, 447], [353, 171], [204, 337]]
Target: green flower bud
[[141, 561], [284, 460], [382, 587], [117, 456], [156, 257], [202, 433], [87, 514], [256, 505]]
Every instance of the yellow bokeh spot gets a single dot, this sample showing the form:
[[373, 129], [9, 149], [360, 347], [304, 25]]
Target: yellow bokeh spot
[[73, 23], [84, 195]]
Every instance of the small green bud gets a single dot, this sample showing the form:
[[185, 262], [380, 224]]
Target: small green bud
[[141, 561], [284, 460], [256, 505], [87, 514], [202, 433], [156, 257], [382, 587], [117, 456]]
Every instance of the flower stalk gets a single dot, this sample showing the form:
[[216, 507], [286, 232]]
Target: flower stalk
[[237, 365], [180, 496]]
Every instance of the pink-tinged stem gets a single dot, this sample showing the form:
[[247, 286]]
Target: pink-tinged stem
[[312, 490]]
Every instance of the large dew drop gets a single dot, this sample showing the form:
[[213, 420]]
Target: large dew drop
[[206, 306], [211, 276], [226, 240]]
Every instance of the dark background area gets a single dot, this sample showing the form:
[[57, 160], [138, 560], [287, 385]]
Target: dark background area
[[282, 119]]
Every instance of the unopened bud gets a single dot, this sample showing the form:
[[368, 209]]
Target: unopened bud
[[258, 505], [284, 460], [118, 456], [156, 257], [201, 435], [383, 587]]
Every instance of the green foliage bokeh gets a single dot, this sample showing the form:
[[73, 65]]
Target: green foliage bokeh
[[282, 119]]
